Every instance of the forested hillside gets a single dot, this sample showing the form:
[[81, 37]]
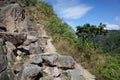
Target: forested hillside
[[111, 42]]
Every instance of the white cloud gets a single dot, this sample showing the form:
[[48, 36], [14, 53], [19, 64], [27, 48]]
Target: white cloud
[[112, 27], [71, 9], [74, 12]]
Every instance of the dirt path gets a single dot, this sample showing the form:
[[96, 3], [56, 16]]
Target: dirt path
[[86, 74], [51, 49]]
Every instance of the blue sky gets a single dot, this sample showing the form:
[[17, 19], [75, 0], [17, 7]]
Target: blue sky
[[79, 12]]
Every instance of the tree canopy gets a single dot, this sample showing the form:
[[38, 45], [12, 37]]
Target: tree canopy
[[89, 32]]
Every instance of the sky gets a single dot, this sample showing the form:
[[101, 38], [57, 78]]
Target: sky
[[79, 12]]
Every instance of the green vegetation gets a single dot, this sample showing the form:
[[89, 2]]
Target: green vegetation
[[88, 33], [103, 66], [111, 42]]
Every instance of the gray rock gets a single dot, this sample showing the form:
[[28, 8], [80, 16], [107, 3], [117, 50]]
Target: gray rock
[[15, 38], [34, 48], [30, 72], [47, 78], [10, 45], [52, 71], [64, 76], [65, 62], [30, 39], [17, 67], [75, 74], [10, 51], [3, 62], [4, 75], [36, 60], [11, 56], [48, 71], [56, 72], [50, 59]]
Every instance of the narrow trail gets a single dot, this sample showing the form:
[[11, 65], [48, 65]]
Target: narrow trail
[[51, 49]]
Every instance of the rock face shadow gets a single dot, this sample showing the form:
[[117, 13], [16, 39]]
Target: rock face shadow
[[24, 51]]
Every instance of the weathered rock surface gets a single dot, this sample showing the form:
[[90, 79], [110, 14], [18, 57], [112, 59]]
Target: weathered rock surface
[[75, 74], [3, 61], [50, 59], [30, 39], [3, 52], [56, 72], [30, 72], [36, 60], [34, 48], [65, 62], [17, 67], [4, 75], [13, 17], [10, 51], [15, 38]]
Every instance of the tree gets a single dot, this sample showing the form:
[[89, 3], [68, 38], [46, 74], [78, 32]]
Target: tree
[[89, 32]]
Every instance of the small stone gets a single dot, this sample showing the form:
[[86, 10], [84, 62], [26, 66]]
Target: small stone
[[19, 52], [56, 72], [18, 58]]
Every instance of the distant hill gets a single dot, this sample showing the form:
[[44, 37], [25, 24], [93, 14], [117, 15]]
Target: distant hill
[[111, 42]]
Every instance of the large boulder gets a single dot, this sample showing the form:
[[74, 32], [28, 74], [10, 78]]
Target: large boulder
[[15, 38], [50, 59], [65, 62], [30, 72], [13, 17]]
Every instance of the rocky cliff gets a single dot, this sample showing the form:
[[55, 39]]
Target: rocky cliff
[[27, 54]]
